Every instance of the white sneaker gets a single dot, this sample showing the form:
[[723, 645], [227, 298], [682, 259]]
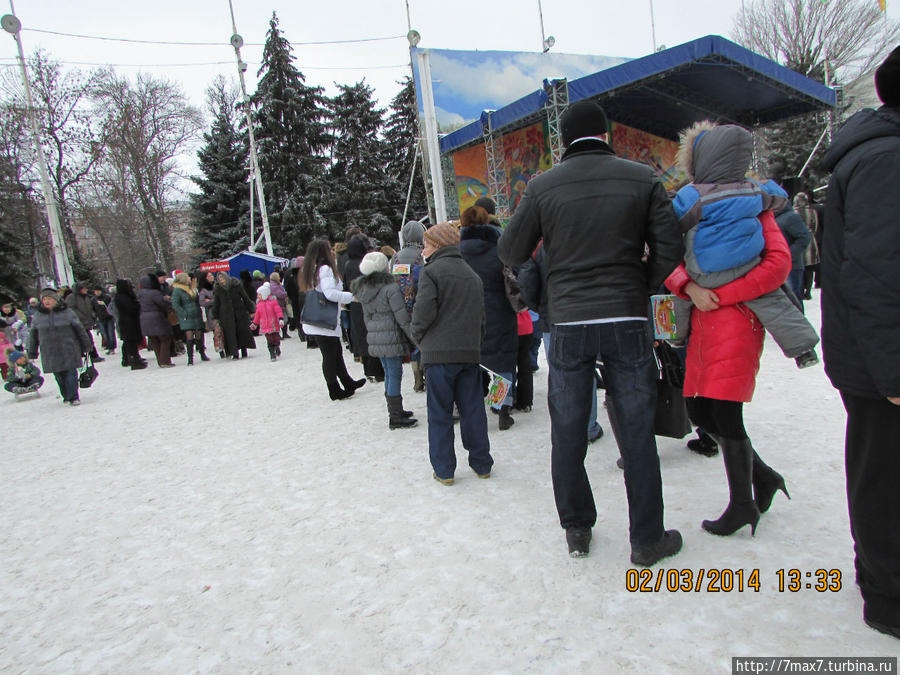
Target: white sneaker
[[75, 402]]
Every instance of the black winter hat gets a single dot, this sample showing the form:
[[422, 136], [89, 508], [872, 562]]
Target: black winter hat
[[487, 204], [887, 80], [584, 118]]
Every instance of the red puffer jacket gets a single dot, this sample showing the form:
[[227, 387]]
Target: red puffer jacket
[[725, 344]]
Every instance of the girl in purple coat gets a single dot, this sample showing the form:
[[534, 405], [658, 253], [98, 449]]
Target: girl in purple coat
[[280, 294], [269, 318]]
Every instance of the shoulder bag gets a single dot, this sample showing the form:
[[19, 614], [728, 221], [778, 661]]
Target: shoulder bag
[[319, 311]]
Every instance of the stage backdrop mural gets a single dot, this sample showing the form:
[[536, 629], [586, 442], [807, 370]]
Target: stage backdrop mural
[[527, 153]]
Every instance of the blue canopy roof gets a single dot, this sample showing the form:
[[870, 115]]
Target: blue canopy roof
[[707, 78]]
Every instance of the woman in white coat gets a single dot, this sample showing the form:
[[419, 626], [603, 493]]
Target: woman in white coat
[[320, 272]]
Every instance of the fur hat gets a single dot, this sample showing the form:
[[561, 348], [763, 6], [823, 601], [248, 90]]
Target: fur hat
[[376, 261], [183, 278], [487, 204], [49, 292], [442, 234], [887, 80], [582, 119], [264, 291]]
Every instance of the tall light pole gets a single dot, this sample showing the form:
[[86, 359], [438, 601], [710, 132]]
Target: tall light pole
[[548, 41], [64, 274], [237, 42]]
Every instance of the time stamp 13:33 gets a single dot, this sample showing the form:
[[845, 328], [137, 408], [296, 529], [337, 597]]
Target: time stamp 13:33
[[728, 580]]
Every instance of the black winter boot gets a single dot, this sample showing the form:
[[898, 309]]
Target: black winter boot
[[396, 418], [506, 420], [741, 510], [190, 353], [137, 363], [244, 353], [284, 332], [201, 348], [766, 482], [272, 355], [704, 445]]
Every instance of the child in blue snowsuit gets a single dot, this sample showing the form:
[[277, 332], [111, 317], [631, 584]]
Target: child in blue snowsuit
[[719, 215]]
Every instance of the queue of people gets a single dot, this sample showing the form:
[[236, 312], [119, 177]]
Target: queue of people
[[589, 242]]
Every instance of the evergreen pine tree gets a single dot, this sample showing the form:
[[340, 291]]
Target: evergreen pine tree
[[220, 210], [291, 140], [17, 272], [359, 188], [401, 134]]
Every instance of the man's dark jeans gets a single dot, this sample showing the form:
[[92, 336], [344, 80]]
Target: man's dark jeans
[[625, 347], [459, 382]]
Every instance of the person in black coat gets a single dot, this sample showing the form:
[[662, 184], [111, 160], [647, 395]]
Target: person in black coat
[[233, 309], [129, 310], [357, 248], [500, 344], [860, 325]]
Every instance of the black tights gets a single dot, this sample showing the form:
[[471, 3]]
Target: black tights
[[719, 418], [333, 367]]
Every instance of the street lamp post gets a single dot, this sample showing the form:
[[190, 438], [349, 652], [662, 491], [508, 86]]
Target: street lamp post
[[64, 274]]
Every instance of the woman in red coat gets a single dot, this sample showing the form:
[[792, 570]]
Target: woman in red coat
[[726, 341]]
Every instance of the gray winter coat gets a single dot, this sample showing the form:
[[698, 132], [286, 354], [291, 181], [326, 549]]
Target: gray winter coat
[[59, 337], [384, 312], [448, 319], [154, 309], [83, 308]]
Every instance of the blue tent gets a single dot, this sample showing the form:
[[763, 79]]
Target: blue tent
[[708, 78], [251, 260]]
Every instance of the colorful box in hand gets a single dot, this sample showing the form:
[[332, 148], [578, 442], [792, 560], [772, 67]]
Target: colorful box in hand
[[665, 326]]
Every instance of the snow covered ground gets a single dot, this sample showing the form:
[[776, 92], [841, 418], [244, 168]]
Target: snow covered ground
[[230, 518]]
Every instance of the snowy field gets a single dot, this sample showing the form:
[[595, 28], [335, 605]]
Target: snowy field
[[230, 518]]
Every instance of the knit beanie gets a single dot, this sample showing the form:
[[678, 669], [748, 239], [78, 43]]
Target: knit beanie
[[413, 233], [14, 356], [257, 274], [183, 278], [487, 204], [887, 80], [49, 292], [264, 291], [442, 234], [376, 261], [584, 118]]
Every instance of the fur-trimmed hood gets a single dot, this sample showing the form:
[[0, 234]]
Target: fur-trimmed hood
[[711, 153], [366, 287]]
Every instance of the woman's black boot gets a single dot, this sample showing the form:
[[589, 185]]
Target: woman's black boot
[[741, 510], [766, 482]]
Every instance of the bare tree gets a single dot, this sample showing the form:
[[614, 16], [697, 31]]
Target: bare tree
[[148, 125], [850, 35]]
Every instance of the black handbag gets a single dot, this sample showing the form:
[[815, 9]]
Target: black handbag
[[319, 311], [88, 375], [672, 418]]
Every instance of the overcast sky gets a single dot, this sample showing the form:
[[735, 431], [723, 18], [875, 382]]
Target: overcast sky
[[607, 27]]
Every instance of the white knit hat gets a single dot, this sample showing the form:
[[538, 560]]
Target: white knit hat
[[374, 262], [264, 291]]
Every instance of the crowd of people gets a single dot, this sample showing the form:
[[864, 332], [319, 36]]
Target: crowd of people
[[470, 302]]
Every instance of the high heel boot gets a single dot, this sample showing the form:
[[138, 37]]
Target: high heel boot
[[766, 482], [741, 510]]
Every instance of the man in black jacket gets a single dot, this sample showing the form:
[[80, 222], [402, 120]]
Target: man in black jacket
[[861, 334], [596, 214]]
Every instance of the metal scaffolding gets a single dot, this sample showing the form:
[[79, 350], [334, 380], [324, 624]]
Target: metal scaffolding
[[557, 102], [498, 184]]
